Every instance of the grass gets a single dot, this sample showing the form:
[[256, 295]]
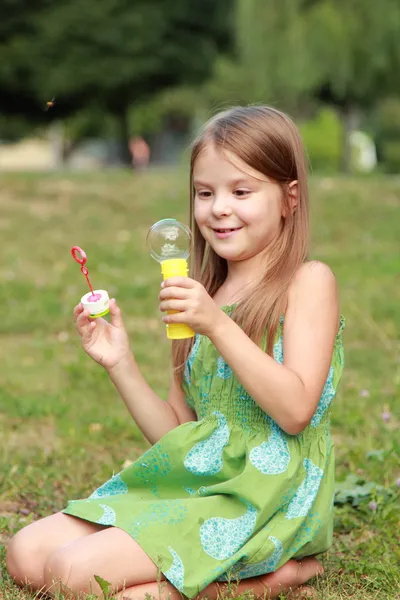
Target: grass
[[63, 428]]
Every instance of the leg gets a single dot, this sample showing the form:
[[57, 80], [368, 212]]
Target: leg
[[112, 554], [289, 577], [29, 549]]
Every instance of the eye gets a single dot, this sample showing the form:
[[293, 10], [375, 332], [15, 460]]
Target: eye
[[203, 194], [242, 193]]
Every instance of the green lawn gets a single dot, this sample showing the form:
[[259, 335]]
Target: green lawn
[[63, 428]]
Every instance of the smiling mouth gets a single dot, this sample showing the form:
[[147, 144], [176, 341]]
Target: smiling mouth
[[227, 230]]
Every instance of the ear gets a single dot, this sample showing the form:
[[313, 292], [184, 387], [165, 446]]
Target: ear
[[292, 191]]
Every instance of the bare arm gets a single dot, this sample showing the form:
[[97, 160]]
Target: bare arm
[[152, 414], [289, 393]]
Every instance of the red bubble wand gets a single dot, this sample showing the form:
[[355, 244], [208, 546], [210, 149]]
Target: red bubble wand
[[96, 301]]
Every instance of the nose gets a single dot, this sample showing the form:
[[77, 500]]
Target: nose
[[221, 206]]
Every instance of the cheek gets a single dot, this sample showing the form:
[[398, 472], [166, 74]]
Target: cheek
[[200, 213]]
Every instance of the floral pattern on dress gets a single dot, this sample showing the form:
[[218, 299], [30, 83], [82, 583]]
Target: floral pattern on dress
[[221, 538], [205, 458], [269, 565], [165, 512], [305, 533], [307, 492], [187, 373], [223, 369], [278, 350], [271, 457], [108, 517], [328, 393], [156, 463], [112, 487], [176, 572]]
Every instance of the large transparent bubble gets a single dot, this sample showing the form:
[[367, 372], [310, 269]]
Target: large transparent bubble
[[168, 239]]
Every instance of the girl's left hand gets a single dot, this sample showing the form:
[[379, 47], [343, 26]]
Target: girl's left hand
[[196, 307]]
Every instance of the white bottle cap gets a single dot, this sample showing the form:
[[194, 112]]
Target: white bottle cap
[[99, 307]]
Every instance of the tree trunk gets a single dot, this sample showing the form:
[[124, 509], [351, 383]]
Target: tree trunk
[[349, 117], [124, 135], [57, 138]]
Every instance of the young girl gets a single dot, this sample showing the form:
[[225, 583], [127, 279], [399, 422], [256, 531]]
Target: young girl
[[239, 481]]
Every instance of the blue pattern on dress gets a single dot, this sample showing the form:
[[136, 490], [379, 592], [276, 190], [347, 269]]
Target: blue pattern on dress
[[176, 572], [328, 393], [306, 532], [271, 457], [221, 538], [112, 487], [205, 458], [269, 565], [187, 373], [306, 493], [108, 517], [165, 512], [157, 464], [223, 369], [278, 350]]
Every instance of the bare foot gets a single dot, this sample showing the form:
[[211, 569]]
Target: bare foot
[[291, 576]]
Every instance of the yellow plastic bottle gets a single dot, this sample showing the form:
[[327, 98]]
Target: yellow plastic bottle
[[176, 267]]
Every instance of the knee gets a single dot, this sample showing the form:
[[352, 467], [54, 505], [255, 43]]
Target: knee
[[23, 559], [61, 572]]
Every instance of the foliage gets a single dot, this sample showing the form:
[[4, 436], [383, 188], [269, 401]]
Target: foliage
[[357, 48], [272, 60], [386, 129], [355, 489], [322, 137], [107, 54]]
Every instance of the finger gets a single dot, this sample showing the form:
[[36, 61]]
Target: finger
[[185, 282], [180, 305], [87, 332], [83, 321], [179, 317], [77, 311], [173, 292], [116, 315]]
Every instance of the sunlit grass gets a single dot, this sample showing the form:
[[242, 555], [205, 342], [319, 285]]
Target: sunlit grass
[[64, 429]]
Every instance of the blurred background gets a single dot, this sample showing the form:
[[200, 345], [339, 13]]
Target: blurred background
[[106, 83]]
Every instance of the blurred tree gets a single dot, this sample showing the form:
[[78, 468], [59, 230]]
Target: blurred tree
[[345, 53], [272, 61], [385, 128], [356, 47], [109, 53], [17, 97]]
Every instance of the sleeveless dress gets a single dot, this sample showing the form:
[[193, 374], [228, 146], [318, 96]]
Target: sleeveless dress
[[231, 495]]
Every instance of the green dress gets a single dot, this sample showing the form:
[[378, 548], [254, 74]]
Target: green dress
[[230, 495]]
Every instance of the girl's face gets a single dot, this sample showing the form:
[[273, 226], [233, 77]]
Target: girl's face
[[230, 195]]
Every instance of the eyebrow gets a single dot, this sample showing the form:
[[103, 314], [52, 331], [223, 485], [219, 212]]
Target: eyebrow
[[233, 182]]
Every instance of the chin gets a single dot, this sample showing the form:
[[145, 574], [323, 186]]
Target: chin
[[231, 256]]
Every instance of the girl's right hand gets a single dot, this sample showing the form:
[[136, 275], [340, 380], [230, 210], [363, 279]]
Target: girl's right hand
[[107, 343]]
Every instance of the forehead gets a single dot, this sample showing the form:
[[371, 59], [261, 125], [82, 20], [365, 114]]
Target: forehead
[[215, 163]]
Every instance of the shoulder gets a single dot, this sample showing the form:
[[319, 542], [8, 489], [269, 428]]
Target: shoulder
[[314, 285], [314, 269], [313, 275]]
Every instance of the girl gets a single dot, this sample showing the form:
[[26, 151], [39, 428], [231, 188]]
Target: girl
[[239, 481]]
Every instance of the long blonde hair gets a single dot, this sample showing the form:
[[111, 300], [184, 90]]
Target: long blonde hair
[[268, 141]]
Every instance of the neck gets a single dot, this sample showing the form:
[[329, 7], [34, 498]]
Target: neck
[[244, 272]]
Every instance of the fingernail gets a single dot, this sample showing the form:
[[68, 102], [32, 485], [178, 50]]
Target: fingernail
[[162, 284]]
